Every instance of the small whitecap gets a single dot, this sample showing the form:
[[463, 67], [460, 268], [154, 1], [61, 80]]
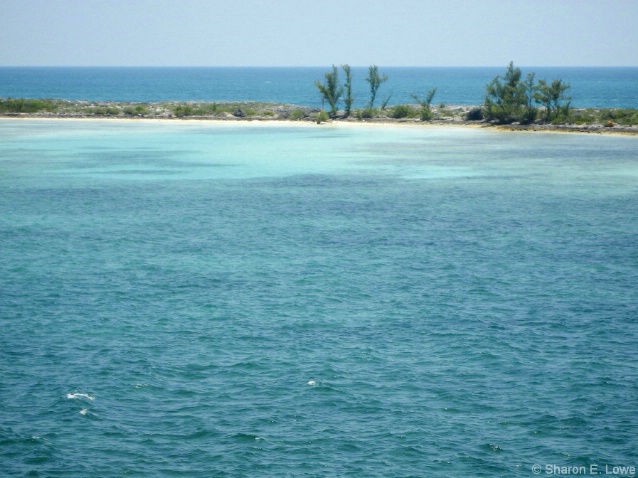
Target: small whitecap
[[312, 383], [84, 411], [73, 396]]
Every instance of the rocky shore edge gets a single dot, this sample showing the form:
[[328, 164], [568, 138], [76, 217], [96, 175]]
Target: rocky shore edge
[[255, 111]]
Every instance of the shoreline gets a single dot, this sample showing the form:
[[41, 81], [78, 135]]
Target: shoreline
[[389, 122], [284, 115]]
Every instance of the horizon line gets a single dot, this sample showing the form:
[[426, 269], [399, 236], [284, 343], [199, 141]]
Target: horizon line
[[314, 66]]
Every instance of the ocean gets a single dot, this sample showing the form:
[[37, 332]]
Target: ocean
[[590, 87], [195, 299]]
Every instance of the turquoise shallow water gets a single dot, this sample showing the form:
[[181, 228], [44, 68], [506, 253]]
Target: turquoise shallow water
[[242, 300]]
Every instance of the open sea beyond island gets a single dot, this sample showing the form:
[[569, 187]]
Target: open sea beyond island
[[300, 300], [590, 87]]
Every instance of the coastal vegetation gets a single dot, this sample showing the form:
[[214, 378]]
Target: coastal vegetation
[[551, 96], [510, 99], [21, 105], [608, 118], [322, 117], [426, 108], [402, 111], [375, 80], [507, 98], [348, 100], [331, 90], [449, 114], [168, 109]]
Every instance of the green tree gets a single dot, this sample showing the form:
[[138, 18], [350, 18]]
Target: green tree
[[506, 97], [331, 90], [348, 100], [530, 93], [375, 81], [426, 110], [551, 96]]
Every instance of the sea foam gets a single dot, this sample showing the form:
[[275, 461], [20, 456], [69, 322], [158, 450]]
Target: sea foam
[[73, 396]]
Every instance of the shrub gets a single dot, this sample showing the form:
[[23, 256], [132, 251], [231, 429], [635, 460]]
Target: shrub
[[528, 115], [322, 116], [475, 114], [624, 116], [445, 113], [21, 105], [105, 111], [183, 110], [205, 109], [297, 114], [136, 110], [401, 111], [426, 110], [367, 113], [224, 108], [583, 116], [426, 114]]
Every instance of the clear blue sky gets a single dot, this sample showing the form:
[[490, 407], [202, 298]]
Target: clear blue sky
[[318, 32]]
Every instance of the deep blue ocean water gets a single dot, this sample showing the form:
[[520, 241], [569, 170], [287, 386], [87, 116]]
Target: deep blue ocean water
[[201, 300], [590, 87]]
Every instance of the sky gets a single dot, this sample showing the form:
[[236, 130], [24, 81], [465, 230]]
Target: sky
[[318, 32]]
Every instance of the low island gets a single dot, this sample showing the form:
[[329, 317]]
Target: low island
[[512, 102], [591, 120]]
